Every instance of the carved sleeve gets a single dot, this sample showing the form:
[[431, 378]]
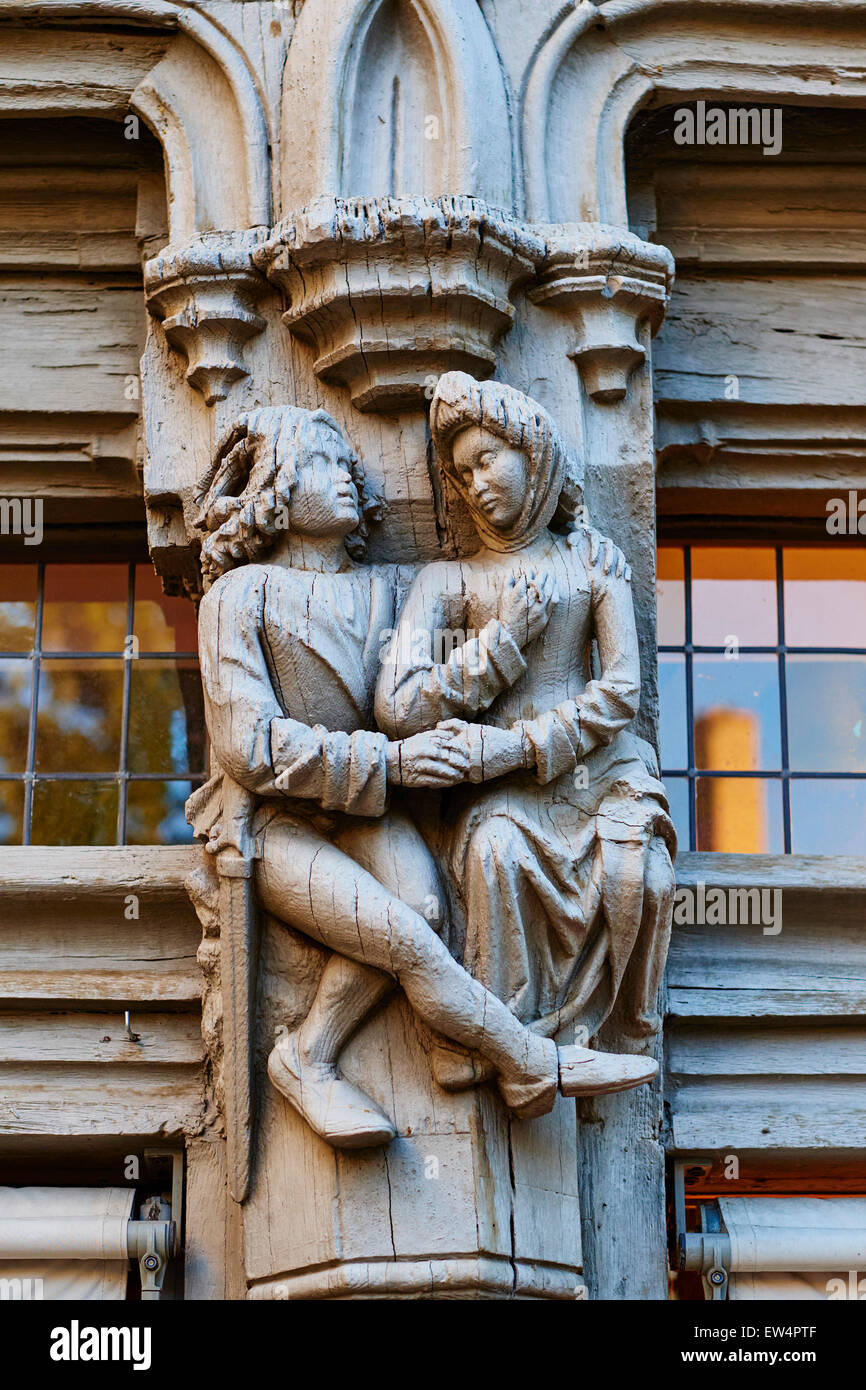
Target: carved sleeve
[[561, 737], [252, 740], [414, 690]]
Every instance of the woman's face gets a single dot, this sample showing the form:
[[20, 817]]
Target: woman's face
[[492, 475], [324, 499]]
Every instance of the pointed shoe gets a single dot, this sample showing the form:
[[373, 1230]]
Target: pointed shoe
[[583, 1072]]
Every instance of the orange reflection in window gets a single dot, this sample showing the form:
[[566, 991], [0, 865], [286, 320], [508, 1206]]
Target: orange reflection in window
[[85, 608], [160, 623], [731, 811], [670, 596], [736, 707], [825, 596], [17, 607], [727, 738], [734, 596], [739, 815]]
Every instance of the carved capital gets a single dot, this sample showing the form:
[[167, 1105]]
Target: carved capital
[[609, 282], [205, 295], [392, 291]]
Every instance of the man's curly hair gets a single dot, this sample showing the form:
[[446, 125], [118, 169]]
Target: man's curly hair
[[245, 493]]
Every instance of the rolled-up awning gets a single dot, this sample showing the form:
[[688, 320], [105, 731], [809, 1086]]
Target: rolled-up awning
[[800, 1233], [64, 1242], [794, 1247], [780, 1247]]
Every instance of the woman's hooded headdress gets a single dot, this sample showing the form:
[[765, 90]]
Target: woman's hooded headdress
[[555, 482]]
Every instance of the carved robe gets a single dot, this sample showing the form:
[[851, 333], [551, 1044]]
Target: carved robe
[[564, 871]]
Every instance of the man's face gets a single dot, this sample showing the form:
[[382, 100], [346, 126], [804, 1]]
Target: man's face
[[324, 499], [492, 475]]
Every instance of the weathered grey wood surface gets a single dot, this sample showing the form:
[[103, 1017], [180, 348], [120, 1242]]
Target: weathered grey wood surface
[[72, 963], [213, 1253], [79, 203], [766, 1034]]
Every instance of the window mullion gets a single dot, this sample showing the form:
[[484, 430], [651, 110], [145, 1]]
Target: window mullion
[[36, 659], [128, 656], [691, 780], [783, 700]]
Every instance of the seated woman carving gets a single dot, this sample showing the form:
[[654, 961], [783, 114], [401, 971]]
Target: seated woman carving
[[564, 860]]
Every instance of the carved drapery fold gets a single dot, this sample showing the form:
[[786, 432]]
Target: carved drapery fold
[[609, 282], [205, 295], [391, 292]]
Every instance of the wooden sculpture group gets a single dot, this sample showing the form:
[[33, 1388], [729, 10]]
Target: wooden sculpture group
[[545, 903]]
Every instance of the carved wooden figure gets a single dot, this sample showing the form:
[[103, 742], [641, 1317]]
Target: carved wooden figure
[[562, 862]]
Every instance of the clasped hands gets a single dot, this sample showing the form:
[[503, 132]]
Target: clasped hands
[[455, 752]]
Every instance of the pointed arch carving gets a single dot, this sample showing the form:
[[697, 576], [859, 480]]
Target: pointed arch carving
[[394, 98]]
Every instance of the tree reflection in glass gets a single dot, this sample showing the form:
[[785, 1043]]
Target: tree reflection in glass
[[101, 719], [78, 721]]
